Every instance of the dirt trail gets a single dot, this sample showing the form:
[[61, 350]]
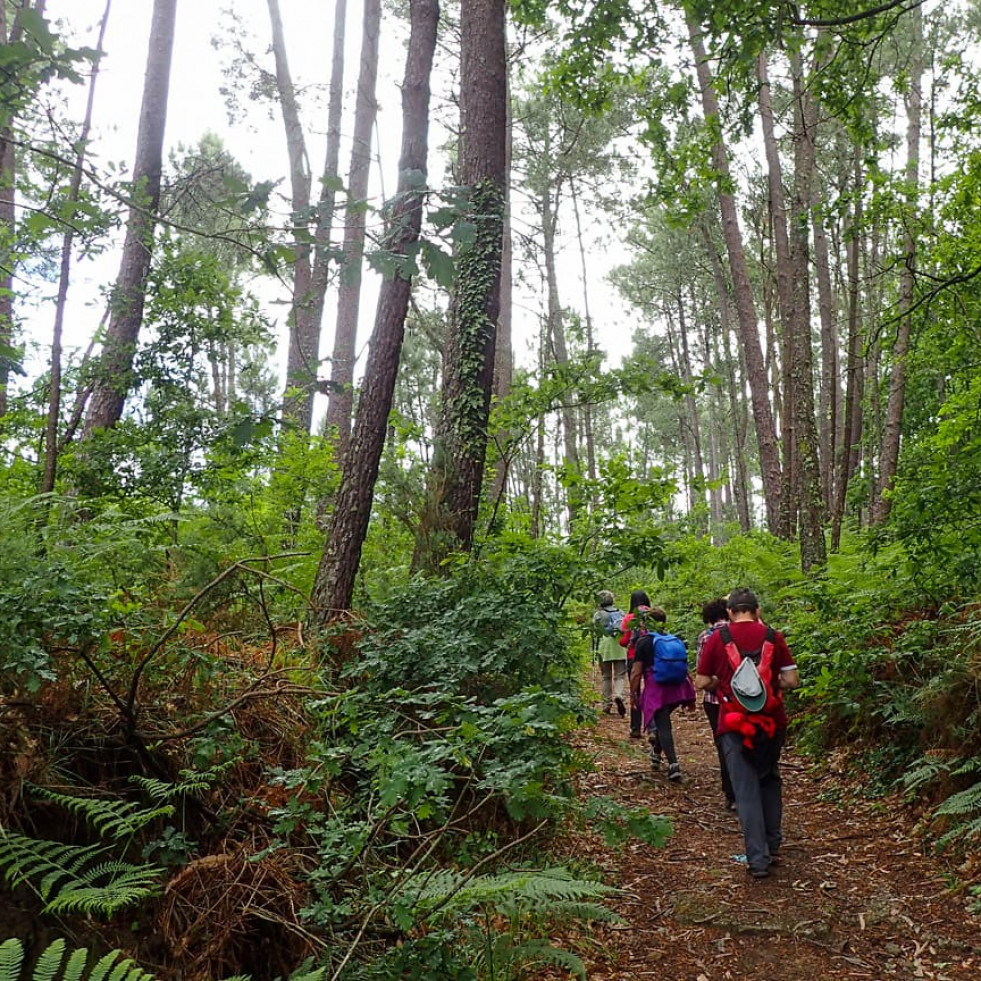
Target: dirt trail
[[854, 897]]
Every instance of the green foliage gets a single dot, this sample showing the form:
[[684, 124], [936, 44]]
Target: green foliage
[[517, 897], [75, 878], [53, 963], [618, 826], [111, 818]]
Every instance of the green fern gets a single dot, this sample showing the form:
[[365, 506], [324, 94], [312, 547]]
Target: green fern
[[71, 878], [110, 967], [553, 889], [508, 957], [191, 782], [111, 818]]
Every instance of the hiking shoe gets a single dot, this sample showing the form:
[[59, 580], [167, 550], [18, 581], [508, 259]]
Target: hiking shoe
[[760, 873], [655, 759], [608, 709], [674, 772], [635, 733], [621, 708]]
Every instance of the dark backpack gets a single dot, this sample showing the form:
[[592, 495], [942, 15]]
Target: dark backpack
[[670, 659]]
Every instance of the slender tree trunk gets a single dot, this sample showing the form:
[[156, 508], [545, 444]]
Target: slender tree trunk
[[468, 363], [766, 435], [830, 368], [301, 365], [8, 209], [50, 470], [341, 400], [557, 341], [115, 373], [785, 298], [333, 588], [854, 377], [740, 480], [503, 353], [812, 544], [892, 433], [329, 178], [590, 341], [692, 407]]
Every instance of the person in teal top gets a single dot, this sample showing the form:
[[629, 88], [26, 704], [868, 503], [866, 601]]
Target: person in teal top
[[612, 657]]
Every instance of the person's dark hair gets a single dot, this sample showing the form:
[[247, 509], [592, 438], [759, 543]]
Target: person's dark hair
[[638, 598], [714, 610], [656, 614], [742, 600], [605, 598]]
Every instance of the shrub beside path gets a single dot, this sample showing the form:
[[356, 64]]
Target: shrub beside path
[[857, 896]]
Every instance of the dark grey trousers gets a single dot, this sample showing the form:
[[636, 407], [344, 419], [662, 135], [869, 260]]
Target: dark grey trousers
[[756, 783]]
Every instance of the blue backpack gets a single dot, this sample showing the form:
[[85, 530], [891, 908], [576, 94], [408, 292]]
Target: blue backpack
[[614, 620], [670, 659]]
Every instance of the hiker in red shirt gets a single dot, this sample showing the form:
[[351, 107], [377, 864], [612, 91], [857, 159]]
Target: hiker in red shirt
[[748, 665]]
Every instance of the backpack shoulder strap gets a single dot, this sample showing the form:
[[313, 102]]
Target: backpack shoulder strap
[[732, 651]]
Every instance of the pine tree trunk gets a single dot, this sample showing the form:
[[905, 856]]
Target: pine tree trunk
[[557, 342], [328, 184], [8, 209], [766, 435], [341, 399], [333, 588], [813, 548], [468, 364], [50, 470], [830, 368], [785, 300], [892, 432], [740, 480], [301, 365], [503, 353], [115, 370], [854, 377]]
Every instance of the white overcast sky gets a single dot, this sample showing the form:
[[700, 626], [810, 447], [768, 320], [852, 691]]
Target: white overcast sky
[[196, 106]]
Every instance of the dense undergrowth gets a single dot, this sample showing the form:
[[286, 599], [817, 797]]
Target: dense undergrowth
[[195, 780]]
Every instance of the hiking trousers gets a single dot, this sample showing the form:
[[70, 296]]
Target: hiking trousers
[[712, 714], [613, 676], [756, 783]]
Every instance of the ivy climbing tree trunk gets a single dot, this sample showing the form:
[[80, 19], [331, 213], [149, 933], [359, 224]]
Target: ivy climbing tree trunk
[[450, 519], [341, 398], [115, 368], [333, 588]]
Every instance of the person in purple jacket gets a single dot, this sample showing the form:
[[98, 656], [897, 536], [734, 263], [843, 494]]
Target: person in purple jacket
[[656, 700]]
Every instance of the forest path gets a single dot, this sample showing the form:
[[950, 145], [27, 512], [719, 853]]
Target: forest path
[[854, 897]]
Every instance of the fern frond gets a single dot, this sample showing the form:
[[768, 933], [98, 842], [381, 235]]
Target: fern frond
[[544, 953], [108, 968], [50, 961], [970, 830], [537, 888], [111, 818], [11, 958], [69, 878], [192, 782], [962, 803], [75, 968]]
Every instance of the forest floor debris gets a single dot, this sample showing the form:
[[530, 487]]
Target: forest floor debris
[[855, 896]]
